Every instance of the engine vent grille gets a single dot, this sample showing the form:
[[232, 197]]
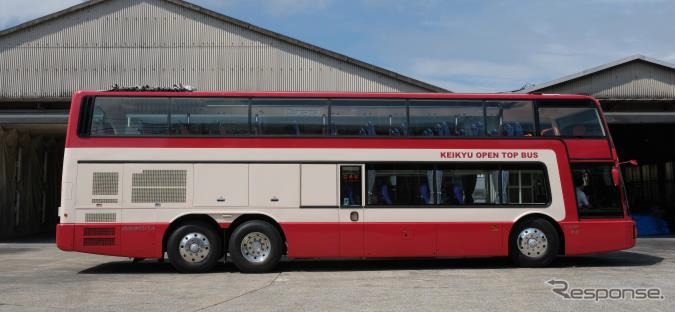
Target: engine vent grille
[[159, 178], [99, 241], [98, 236], [100, 217], [99, 231], [105, 183], [159, 186]]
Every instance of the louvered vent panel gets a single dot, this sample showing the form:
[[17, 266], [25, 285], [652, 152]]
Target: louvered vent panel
[[159, 186], [159, 178], [99, 231], [98, 241], [98, 236], [105, 183], [100, 217]]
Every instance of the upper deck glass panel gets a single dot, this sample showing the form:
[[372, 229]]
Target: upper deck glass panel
[[326, 117]]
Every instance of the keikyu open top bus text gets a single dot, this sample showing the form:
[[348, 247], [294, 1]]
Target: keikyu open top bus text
[[490, 155]]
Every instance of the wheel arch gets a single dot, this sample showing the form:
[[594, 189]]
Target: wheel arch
[[256, 216], [190, 218]]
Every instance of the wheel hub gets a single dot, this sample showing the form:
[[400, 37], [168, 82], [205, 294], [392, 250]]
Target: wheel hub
[[532, 242], [194, 247], [255, 247]]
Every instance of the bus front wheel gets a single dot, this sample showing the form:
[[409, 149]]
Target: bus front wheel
[[255, 247], [534, 243], [194, 248]]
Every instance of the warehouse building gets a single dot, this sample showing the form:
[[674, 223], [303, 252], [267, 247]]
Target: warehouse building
[[637, 94], [129, 42]]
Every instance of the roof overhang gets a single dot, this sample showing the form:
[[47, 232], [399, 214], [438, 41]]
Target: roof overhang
[[640, 117], [34, 118]]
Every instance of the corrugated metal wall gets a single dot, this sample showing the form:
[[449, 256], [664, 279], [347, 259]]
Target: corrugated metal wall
[[154, 42], [633, 80]]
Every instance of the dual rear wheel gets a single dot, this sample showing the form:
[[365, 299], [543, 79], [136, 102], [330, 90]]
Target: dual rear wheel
[[254, 246]]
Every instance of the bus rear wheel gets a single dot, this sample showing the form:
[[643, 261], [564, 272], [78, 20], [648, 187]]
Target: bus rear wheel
[[194, 248], [255, 247], [534, 243]]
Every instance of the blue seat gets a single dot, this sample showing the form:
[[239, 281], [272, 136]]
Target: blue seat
[[424, 194], [518, 129], [508, 129], [477, 129], [459, 194], [370, 129], [384, 192], [442, 129], [404, 129]]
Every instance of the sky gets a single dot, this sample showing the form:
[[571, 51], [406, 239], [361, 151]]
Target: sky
[[460, 45]]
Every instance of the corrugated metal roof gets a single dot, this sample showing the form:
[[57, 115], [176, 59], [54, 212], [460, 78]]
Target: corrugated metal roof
[[156, 42], [634, 77]]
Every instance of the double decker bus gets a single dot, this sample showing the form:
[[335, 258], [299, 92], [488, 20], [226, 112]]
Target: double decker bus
[[256, 176]]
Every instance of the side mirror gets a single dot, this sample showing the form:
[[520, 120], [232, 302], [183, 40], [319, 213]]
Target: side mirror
[[616, 176]]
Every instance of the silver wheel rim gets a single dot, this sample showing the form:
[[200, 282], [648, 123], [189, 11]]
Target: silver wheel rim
[[532, 243], [255, 247], [194, 247]]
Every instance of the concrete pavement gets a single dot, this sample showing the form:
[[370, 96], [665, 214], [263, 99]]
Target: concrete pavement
[[39, 277]]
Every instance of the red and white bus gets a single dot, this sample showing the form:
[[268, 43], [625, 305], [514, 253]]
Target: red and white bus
[[200, 175]]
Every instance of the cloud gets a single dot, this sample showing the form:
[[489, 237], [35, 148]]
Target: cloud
[[669, 58], [475, 68], [470, 75], [15, 12], [628, 1], [285, 7]]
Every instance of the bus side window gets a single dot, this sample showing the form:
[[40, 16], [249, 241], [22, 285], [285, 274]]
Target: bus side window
[[289, 117], [569, 119], [510, 118], [369, 117], [596, 194], [446, 118]]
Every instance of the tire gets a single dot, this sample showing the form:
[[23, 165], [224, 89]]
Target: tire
[[534, 243], [255, 247], [208, 250]]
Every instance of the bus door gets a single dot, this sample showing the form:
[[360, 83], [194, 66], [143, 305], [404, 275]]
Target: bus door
[[351, 211]]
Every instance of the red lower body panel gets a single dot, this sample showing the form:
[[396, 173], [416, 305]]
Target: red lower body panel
[[128, 240], [307, 240], [396, 239], [473, 239], [358, 240], [592, 236]]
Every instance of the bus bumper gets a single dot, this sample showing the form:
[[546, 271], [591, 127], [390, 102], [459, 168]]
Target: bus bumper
[[65, 234]]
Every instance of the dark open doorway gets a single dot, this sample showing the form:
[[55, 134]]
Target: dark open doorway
[[650, 185]]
